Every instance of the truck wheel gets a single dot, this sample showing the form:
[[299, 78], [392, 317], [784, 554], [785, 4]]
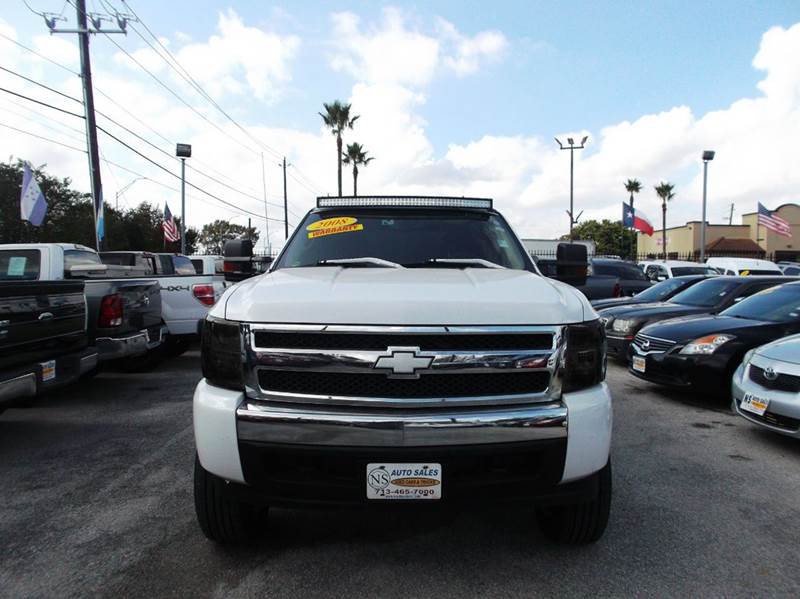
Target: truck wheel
[[581, 523], [222, 518]]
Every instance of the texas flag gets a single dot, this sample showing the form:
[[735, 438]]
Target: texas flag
[[636, 220]]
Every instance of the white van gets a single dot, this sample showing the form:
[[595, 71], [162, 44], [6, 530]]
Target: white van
[[744, 266], [661, 270]]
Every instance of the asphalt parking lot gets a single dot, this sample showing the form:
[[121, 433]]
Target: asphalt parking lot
[[96, 501]]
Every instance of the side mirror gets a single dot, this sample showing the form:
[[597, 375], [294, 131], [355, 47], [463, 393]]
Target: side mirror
[[238, 260], [572, 263]]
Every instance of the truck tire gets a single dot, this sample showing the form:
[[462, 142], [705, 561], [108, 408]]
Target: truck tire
[[581, 523], [222, 518]]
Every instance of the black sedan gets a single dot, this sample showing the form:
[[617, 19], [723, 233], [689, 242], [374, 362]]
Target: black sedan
[[702, 352], [706, 297], [660, 292]]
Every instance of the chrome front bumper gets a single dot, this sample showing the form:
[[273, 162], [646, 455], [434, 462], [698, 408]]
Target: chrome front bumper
[[137, 344], [314, 425]]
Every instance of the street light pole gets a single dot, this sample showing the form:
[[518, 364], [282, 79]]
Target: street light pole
[[572, 147], [183, 151], [708, 156]]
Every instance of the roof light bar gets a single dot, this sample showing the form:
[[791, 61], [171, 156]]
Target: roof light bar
[[404, 202]]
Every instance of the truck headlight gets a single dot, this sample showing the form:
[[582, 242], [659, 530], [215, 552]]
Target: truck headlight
[[584, 360], [705, 345], [624, 325], [221, 353]]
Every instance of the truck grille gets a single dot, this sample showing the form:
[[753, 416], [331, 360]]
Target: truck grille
[[379, 385], [781, 382], [396, 367], [648, 344]]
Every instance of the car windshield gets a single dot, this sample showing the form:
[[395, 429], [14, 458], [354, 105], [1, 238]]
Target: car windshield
[[706, 293], [679, 271], [411, 238], [621, 270], [661, 290], [776, 304]]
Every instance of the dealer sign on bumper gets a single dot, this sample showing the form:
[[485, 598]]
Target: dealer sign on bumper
[[404, 481]]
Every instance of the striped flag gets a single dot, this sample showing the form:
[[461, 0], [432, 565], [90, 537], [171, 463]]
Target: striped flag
[[170, 229], [773, 222], [32, 203]]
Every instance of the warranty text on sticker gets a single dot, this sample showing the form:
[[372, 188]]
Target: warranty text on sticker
[[332, 226]]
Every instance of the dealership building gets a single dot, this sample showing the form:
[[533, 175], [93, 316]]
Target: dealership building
[[748, 239]]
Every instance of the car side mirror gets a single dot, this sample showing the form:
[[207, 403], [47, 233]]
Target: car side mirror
[[238, 260], [572, 264]]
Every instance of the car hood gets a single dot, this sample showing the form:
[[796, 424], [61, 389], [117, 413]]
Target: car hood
[[612, 302], [647, 311], [692, 327], [784, 350], [413, 296]]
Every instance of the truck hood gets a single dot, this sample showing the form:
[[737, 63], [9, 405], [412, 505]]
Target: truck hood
[[413, 296]]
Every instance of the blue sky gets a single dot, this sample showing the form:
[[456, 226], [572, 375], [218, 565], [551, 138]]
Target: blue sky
[[563, 67]]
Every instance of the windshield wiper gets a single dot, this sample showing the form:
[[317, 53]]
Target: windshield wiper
[[468, 261], [364, 261]]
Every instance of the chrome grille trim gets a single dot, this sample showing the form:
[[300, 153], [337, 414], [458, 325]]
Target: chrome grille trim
[[647, 344], [260, 359]]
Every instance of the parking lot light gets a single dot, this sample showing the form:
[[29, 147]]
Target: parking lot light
[[708, 156]]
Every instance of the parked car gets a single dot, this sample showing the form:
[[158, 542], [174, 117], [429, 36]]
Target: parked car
[[630, 277], [403, 350], [702, 352], [660, 270], [790, 269], [660, 292], [706, 297], [185, 295], [43, 340], [766, 386], [744, 266], [124, 315]]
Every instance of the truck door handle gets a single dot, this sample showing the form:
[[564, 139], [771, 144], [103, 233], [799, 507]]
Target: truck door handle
[[45, 316]]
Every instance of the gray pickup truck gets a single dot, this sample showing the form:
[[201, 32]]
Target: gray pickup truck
[[123, 314], [43, 340]]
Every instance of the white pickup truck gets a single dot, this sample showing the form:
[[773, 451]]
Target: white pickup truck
[[185, 295], [403, 351]]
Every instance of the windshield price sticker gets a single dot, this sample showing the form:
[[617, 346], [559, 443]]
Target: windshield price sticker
[[333, 226], [16, 266], [404, 481]]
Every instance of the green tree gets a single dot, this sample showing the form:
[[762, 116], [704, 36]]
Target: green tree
[[214, 235], [356, 156], [665, 191], [610, 237], [337, 118]]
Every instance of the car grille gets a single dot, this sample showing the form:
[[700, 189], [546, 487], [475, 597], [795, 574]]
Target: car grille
[[645, 343], [782, 382], [426, 342], [378, 385]]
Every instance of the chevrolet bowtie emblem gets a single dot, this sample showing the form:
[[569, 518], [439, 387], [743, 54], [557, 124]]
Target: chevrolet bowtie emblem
[[403, 361]]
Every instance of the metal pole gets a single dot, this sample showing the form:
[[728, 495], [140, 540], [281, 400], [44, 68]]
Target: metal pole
[[183, 205], [267, 244], [249, 228], [571, 208], [703, 223], [285, 205], [91, 127]]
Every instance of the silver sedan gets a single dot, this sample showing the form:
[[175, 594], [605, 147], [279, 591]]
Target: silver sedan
[[766, 386]]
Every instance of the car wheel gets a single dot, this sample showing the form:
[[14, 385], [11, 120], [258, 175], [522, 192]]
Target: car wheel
[[581, 523], [223, 518]]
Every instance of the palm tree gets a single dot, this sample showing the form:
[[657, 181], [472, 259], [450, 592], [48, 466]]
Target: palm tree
[[337, 117], [632, 186], [356, 155], [666, 192]]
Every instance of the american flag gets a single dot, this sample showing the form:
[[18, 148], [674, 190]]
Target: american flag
[[170, 230], [773, 222]]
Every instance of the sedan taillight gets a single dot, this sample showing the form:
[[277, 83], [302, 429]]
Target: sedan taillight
[[110, 311], [204, 294]]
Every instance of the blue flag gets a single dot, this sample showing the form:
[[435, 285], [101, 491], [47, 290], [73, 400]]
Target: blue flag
[[32, 203]]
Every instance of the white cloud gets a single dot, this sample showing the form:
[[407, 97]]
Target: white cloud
[[470, 52]]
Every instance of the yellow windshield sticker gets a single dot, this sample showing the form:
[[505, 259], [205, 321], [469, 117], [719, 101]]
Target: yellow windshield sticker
[[333, 226]]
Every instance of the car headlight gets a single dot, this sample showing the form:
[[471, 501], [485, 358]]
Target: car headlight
[[221, 353], [705, 345], [624, 326]]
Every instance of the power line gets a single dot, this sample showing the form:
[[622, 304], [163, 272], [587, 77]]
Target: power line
[[43, 138]]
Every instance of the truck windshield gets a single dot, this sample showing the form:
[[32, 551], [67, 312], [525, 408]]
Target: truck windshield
[[19, 265], [706, 293], [411, 238]]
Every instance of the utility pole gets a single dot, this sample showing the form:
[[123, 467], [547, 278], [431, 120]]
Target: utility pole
[[730, 216], [285, 204], [83, 32], [267, 243], [572, 147]]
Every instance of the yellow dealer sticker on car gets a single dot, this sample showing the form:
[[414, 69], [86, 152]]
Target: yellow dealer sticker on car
[[332, 226]]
